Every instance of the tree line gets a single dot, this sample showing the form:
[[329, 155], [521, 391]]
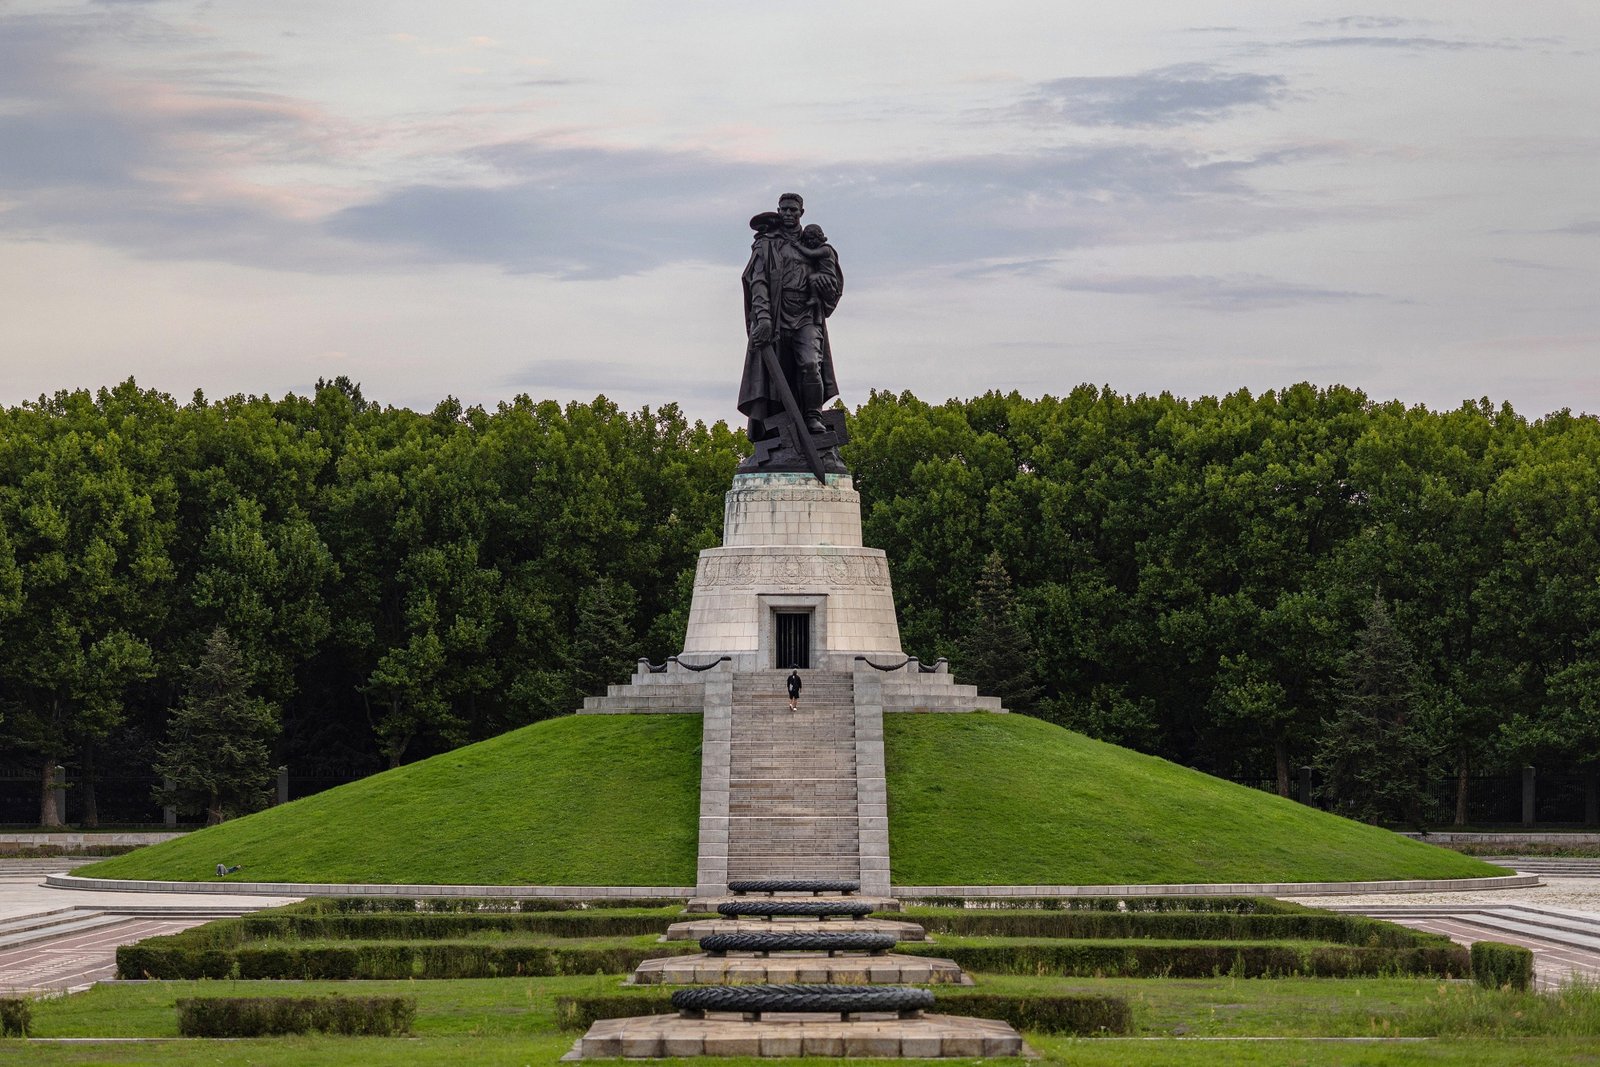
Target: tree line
[[1244, 583], [395, 583], [1252, 583]]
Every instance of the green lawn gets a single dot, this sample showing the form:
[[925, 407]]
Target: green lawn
[[1011, 800], [580, 800], [1210, 1021]]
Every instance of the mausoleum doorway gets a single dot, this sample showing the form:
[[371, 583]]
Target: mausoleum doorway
[[793, 644]]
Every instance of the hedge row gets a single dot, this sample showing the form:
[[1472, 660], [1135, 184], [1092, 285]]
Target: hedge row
[[281, 924], [1171, 926], [1233, 905], [270, 1016], [1081, 1014], [434, 927], [173, 958], [50, 852], [1498, 965], [1134, 960], [454, 905]]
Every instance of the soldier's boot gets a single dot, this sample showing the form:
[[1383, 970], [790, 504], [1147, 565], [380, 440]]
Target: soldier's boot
[[811, 401]]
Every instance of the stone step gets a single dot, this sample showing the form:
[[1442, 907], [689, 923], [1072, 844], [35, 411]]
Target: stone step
[[51, 927], [792, 809], [784, 793], [787, 789], [798, 796], [793, 850], [842, 761], [757, 771], [800, 855], [789, 967], [791, 745], [694, 929], [40, 919], [784, 719], [786, 735], [738, 870], [777, 707], [836, 760]]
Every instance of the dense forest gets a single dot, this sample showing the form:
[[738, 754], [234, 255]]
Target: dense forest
[[1246, 584]]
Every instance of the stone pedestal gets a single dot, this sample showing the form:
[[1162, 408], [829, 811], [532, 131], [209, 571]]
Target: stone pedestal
[[792, 546], [882, 1036], [748, 969]]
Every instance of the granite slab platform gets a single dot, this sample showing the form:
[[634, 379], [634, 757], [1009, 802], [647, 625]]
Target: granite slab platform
[[709, 903], [928, 1037], [695, 929], [888, 969]]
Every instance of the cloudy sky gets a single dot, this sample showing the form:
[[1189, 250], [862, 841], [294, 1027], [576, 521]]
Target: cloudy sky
[[482, 199]]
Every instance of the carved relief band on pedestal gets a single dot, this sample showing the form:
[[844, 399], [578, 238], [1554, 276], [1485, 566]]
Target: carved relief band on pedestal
[[810, 495], [870, 571]]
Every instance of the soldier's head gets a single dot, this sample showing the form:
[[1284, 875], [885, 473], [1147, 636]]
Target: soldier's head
[[791, 207]]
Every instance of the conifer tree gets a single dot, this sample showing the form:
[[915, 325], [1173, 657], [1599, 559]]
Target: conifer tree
[[996, 652], [604, 649], [218, 751], [1375, 747]]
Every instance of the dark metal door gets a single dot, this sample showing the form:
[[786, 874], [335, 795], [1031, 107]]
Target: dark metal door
[[794, 639]]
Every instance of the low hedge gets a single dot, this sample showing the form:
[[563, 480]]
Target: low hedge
[[16, 1015], [271, 1016], [456, 905], [435, 927], [1172, 926], [281, 924], [171, 958], [1203, 960], [1233, 905], [1497, 965], [50, 852], [1081, 1014]]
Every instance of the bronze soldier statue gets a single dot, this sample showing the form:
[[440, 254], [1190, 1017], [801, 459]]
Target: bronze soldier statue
[[791, 285]]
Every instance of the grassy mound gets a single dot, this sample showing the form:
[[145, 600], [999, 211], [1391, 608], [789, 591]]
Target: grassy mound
[[613, 800], [580, 800], [1009, 800]]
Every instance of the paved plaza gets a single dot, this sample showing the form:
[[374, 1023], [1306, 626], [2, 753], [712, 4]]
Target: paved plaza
[[59, 940], [1558, 921], [64, 939]]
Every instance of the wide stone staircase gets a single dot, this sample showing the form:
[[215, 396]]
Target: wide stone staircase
[[792, 785]]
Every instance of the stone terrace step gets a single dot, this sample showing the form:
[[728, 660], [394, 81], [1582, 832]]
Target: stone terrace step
[[18, 933], [747, 772]]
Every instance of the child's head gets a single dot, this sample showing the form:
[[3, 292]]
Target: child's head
[[813, 237]]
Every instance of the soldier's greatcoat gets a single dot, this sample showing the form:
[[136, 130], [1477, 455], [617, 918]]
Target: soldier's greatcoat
[[772, 260]]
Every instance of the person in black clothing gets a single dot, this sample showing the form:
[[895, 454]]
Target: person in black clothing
[[794, 688]]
